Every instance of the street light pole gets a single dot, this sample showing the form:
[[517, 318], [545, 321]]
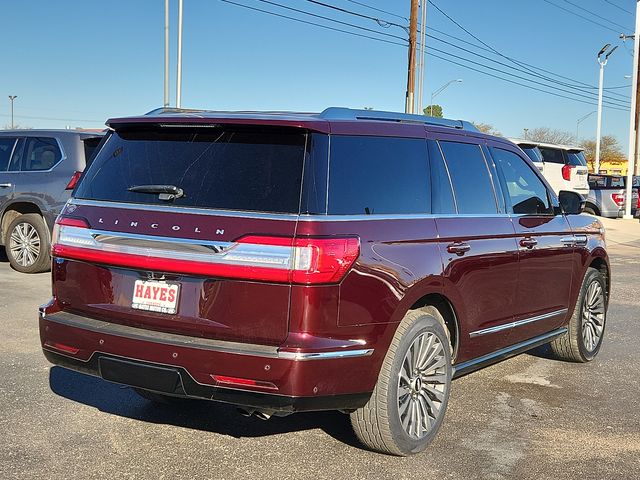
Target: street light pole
[[603, 62], [12, 98], [179, 76], [166, 53], [634, 122], [439, 91], [580, 120]]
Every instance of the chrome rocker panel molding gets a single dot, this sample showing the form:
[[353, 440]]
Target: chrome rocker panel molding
[[519, 323], [221, 346], [495, 357]]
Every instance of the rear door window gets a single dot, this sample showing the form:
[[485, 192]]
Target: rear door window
[[526, 192], [40, 153], [469, 172], [220, 168], [378, 175], [552, 155], [576, 158], [441, 193], [6, 149]]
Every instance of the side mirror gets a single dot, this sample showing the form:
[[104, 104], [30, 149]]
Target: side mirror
[[571, 203]]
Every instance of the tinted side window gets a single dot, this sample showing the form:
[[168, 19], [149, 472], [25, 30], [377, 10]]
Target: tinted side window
[[6, 148], [90, 145], [470, 178], [16, 159], [40, 153], [576, 158], [533, 153], [552, 155], [372, 175], [527, 193], [441, 194]]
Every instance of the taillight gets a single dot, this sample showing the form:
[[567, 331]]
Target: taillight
[[74, 181], [566, 172], [306, 261], [618, 198]]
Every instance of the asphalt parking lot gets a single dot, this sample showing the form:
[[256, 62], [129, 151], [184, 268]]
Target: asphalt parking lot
[[528, 417]]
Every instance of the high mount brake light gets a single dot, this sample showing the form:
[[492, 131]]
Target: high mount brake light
[[301, 260]]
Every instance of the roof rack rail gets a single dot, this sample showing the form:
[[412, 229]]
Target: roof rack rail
[[339, 113]]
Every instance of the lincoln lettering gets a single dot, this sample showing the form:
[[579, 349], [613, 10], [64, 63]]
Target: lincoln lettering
[[156, 226]]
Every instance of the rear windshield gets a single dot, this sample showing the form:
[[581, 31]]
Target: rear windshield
[[220, 168], [576, 157], [597, 182], [532, 152]]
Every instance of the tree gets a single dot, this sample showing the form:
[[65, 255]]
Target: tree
[[610, 152], [487, 128], [434, 111], [16, 127], [549, 135]]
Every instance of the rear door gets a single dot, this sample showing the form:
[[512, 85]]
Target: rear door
[[7, 180], [212, 261], [546, 247], [478, 248]]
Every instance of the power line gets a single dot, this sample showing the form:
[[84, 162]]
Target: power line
[[445, 59], [591, 94], [378, 10], [618, 7], [326, 27], [382, 22], [303, 12], [597, 15], [581, 16]]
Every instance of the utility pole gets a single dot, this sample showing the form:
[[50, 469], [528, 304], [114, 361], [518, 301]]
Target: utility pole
[[179, 76], [12, 98], [421, 59], [411, 76], [166, 53], [603, 62], [634, 121]]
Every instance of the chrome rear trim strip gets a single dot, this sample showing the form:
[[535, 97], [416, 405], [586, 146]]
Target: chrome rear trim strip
[[519, 323], [221, 346]]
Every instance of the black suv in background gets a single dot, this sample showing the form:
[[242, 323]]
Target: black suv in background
[[38, 170]]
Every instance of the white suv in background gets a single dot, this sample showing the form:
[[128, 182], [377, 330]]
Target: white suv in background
[[564, 167]]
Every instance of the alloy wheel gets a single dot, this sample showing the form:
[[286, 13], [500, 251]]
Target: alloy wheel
[[24, 244], [593, 316], [422, 384]]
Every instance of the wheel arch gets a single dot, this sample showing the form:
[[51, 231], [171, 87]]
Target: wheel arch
[[12, 211], [602, 265], [448, 312], [594, 207]]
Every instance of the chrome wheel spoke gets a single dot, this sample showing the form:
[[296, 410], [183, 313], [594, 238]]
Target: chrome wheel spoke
[[593, 316]]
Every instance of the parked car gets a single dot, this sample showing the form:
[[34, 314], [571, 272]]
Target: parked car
[[564, 167], [38, 170], [607, 195], [348, 260]]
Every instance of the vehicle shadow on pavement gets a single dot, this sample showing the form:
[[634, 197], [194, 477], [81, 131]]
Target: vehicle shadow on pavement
[[193, 414], [3, 255]]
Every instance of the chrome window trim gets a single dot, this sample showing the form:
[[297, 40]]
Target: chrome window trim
[[26, 138], [519, 323]]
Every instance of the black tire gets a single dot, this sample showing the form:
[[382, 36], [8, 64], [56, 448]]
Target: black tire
[[21, 260], [156, 397], [379, 424], [591, 210], [572, 346]]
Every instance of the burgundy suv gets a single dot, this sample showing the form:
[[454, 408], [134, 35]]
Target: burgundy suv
[[348, 260]]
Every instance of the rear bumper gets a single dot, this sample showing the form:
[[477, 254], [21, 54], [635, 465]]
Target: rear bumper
[[285, 381]]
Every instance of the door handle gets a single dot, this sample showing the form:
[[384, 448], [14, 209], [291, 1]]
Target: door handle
[[574, 241], [528, 242], [459, 248], [5, 185]]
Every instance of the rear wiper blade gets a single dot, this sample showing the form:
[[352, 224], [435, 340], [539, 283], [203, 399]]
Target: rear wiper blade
[[165, 192]]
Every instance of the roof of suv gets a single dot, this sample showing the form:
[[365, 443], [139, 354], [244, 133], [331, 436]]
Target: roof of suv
[[520, 141], [331, 120]]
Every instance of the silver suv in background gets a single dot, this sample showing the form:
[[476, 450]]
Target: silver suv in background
[[38, 170], [564, 167]]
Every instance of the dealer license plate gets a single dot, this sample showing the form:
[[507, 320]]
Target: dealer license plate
[[155, 296]]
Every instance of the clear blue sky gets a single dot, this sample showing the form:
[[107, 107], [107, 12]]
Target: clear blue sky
[[77, 62]]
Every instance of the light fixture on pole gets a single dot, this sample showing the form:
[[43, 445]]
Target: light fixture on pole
[[603, 57], [439, 91], [12, 98], [580, 120]]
